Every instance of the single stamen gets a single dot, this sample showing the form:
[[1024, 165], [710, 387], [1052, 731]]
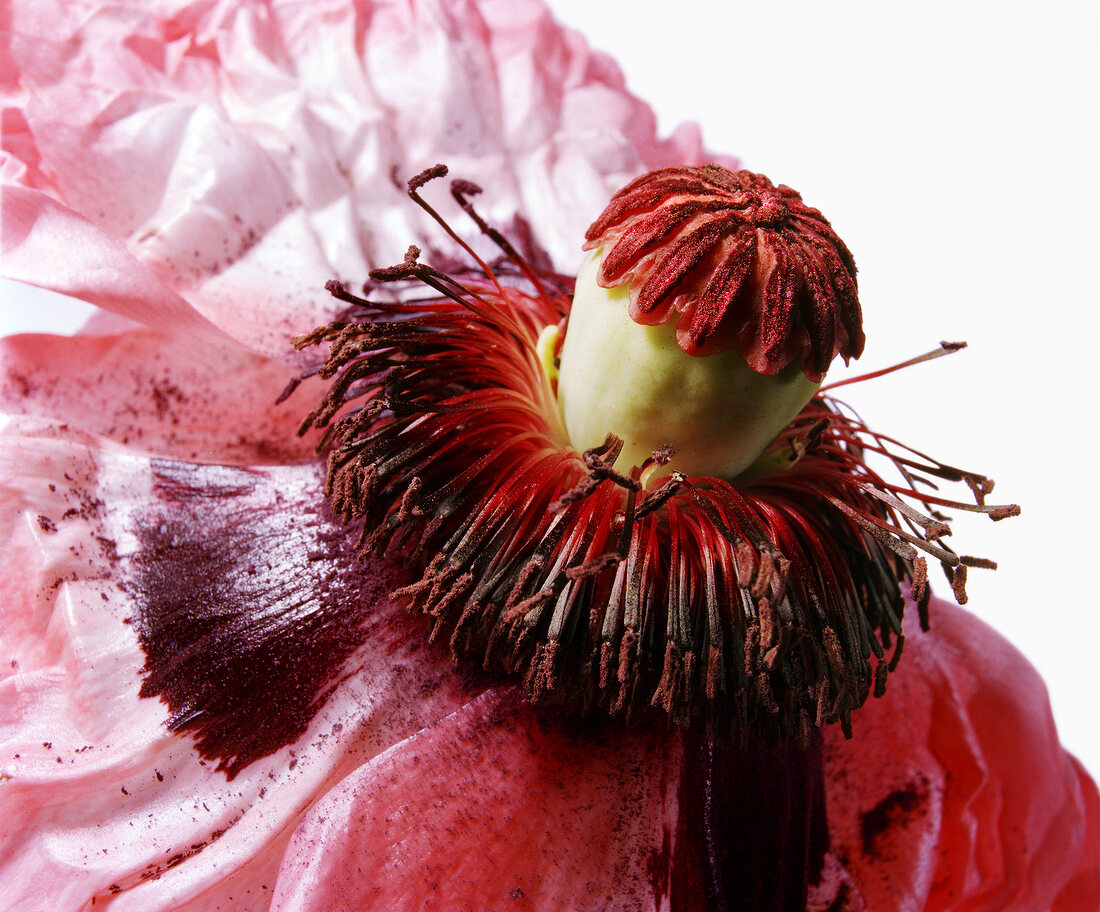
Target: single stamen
[[946, 348]]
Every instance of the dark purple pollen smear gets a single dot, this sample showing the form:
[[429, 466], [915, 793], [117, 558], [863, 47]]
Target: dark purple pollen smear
[[250, 603]]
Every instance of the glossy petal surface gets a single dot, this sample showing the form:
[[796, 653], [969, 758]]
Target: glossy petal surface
[[954, 792]]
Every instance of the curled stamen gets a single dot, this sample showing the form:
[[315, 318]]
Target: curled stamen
[[657, 499]]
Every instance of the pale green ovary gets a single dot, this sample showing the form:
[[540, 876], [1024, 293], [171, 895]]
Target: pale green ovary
[[617, 376]]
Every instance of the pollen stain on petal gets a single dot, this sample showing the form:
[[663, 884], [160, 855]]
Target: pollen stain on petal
[[228, 638], [891, 811]]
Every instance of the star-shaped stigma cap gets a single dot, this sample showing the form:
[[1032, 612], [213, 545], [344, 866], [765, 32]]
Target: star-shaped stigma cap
[[742, 262]]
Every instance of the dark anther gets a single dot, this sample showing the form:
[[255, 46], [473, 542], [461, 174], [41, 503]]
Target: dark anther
[[409, 509], [662, 455], [593, 567], [601, 469], [958, 584], [980, 487], [406, 270], [460, 189], [575, 494], [598, 461], [656, 500], [920, 578], [428, 174], [981, 563]]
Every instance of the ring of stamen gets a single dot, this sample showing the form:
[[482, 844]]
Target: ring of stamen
[[771, 604]]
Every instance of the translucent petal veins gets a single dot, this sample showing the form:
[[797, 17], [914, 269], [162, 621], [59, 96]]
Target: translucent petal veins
[[742, 262], [772, 604]]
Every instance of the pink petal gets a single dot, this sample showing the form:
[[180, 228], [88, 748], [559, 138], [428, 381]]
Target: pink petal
[[493, 807], [172, 394], [97, 795], [46, 244], [236, 156], [206, 167], [955, 792], [954, 795]]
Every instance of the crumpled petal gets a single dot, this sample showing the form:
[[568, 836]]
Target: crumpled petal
[[204, 167], [222, 160], [955, 792], [44, 243], [99, 798]]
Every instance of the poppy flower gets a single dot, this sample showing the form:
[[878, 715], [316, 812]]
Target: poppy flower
[[208, 698]]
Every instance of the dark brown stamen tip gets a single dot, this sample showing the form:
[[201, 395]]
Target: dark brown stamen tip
[[958, 583], [661, 456], [404, 270], [594, 567], [425, 176], [982, 563], [946, 348], [654, 501]]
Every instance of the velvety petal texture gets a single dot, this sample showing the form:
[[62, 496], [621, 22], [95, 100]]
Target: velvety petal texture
[[215, 163], [955, 795], [494, 807]]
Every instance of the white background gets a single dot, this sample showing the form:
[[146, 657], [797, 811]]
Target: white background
[[953, 147]]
